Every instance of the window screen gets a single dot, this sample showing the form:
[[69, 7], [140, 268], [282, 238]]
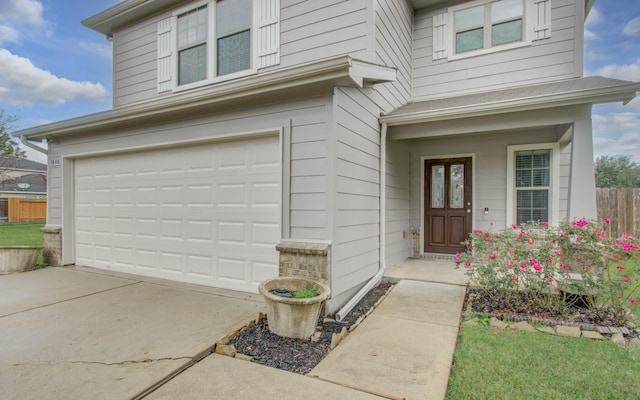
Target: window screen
[[233, 33]]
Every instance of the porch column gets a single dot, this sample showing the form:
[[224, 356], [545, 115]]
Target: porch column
[[582, 181]]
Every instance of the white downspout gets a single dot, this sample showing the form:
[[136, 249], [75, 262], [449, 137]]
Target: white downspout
[[24, 141], [373, 282]]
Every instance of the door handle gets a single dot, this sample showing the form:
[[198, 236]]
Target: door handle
[[468, 211]]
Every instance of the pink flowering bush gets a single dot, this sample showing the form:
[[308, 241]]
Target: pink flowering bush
[[536, 264]]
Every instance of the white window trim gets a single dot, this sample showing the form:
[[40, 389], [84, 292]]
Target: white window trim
[[526, 40], [211, 38], [554, 185]]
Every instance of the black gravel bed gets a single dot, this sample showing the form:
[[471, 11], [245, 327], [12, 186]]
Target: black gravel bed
[[300, 355]]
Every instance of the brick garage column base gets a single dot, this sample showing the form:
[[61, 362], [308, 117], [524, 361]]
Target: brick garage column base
[[52, 252], [305, 259]]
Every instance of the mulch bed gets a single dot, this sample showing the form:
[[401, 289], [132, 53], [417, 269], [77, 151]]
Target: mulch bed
[[299, 355], [478, 302]]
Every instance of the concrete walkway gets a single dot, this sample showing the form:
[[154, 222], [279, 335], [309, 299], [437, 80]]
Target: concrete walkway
[[404, 349], [78, 333]]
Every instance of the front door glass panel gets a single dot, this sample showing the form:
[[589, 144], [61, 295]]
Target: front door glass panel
[[437, 186], [457, 186]]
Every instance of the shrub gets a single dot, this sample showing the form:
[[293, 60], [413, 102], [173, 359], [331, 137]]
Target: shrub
[[552, 267]]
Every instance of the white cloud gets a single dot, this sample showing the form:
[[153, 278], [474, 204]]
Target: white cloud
[[22, 11], [617, 134], [624, 144], [8, 34], [629, 72], [22, 83], [633, 27], [594, 18], [590, 35], [100, 49], [616, 122]]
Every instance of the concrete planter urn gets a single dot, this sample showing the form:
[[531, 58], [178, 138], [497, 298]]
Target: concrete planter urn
[[18, 258], [291, 317]]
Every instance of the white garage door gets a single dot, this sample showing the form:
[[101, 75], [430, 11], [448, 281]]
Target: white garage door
[[207, 214]]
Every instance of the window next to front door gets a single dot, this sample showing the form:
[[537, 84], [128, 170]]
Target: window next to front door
[[533, 175]]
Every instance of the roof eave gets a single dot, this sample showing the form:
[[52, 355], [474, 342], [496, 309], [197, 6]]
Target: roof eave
[[125, 13], [624, 93], [336, 71]]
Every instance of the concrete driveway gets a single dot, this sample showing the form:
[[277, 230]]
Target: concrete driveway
[[73, 333]]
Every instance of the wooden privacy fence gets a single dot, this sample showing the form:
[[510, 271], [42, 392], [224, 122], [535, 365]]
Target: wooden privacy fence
[[23, 210], [622, 206]]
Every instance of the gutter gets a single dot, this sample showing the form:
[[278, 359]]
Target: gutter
[[373, 282], [615, 93], [25, 141], [336, 71]]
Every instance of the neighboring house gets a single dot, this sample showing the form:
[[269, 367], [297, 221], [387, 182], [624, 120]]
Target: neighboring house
[[24, 178], [351, 134]]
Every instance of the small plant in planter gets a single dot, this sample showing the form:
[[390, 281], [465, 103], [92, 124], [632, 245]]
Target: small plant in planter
[[293, 305], [306, 293]]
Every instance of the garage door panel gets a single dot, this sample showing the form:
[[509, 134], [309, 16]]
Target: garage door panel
[[207, 214]]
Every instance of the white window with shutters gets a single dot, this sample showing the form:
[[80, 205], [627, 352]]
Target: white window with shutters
[[217, 40], [486, 26]]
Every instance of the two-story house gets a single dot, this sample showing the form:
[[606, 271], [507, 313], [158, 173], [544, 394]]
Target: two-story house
[[351, 134]]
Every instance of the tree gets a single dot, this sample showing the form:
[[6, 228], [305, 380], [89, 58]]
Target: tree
[[8, 147], [617, 172]]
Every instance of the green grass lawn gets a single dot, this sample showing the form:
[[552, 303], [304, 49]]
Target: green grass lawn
[[494, 364], [22, 234]]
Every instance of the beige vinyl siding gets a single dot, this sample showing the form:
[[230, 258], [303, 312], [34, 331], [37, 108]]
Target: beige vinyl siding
[[545, 60], [398, 203], [54, 194], [490, 171], [394, 28], [312, 30], [357, 198], [394, 25], [309, 167], [135, 63], [308, 212]]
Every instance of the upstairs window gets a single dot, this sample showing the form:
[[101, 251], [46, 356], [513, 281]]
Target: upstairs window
[[233, 36], [488, 25], [192, 46], [216, 40], [484, 26]]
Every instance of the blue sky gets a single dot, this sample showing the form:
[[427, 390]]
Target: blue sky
[[52, 68]]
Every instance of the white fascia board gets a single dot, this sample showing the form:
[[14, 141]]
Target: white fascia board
[[125, 13], [624, 93], [362, 72], [336, 71]]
